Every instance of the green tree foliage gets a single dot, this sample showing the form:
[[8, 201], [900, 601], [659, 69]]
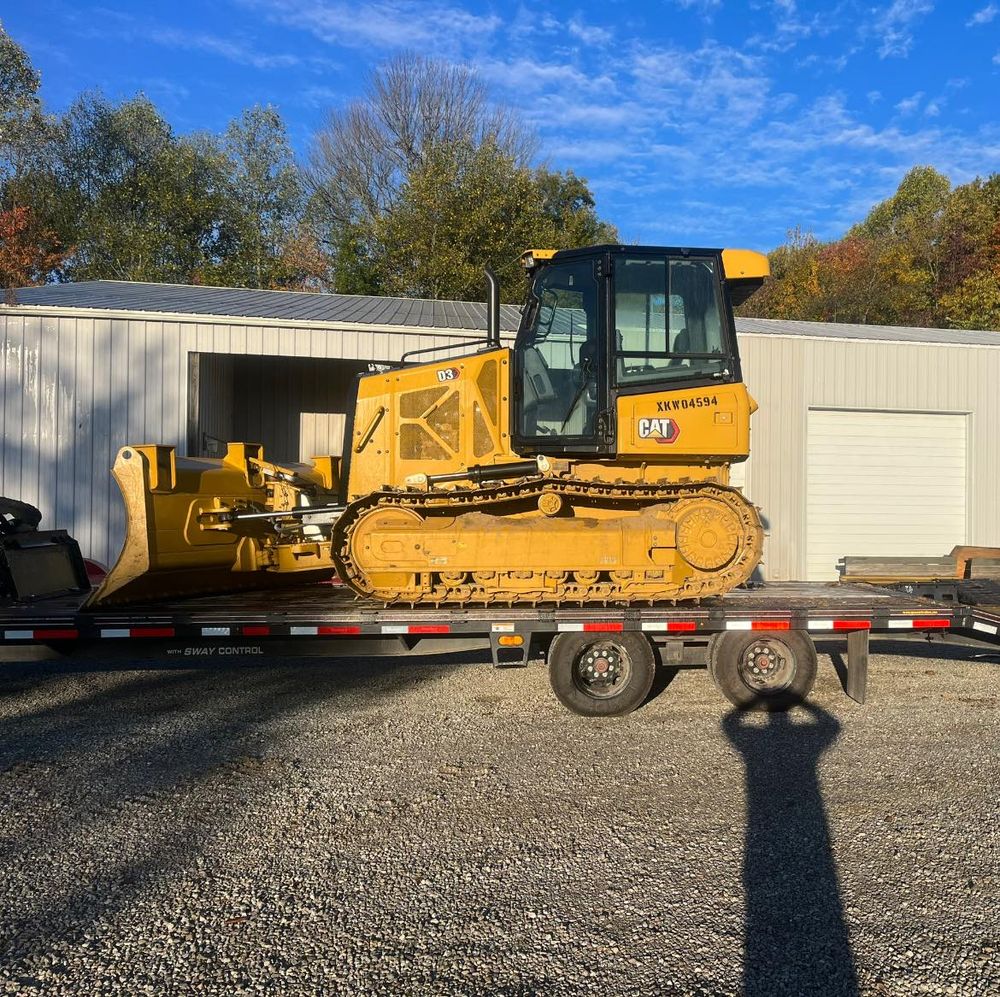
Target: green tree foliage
[[423, 183], [413, 190], [21, 119], [927, 256], [135, 201], [265, 199], [467, 207], [29, 249]]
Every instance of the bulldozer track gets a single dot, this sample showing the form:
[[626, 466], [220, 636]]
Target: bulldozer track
[[605, 589]]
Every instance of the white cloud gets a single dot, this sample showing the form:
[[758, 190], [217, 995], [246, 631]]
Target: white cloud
[[789, 28], [894, 26], [226, 48], [589, 34], [983, 16], [526, 75], [169, 90], [910, 104], [996, 59], [933, 109], [874, 96], [126, 28], [704, 6], [437, 25]]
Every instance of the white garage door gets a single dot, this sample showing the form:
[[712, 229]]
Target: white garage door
[[883, 483]]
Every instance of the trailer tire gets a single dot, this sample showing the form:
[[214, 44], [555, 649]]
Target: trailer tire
[[601, 675], [763, 671], [710, 653]]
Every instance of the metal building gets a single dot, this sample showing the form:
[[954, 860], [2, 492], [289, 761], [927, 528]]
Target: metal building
[[869, 440]]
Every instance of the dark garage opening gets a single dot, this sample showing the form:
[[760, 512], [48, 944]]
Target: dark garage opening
[[294, 406]]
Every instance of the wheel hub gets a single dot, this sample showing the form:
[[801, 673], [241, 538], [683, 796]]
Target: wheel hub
[[767, 666], [601, 665], [601, 670]]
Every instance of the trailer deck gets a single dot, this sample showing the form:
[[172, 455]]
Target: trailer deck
[[334, 611], [257, 622]]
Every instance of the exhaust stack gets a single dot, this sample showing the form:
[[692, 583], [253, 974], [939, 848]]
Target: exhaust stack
[[492, 308]]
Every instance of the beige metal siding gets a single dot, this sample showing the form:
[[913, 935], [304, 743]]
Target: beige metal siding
[[788, 375], [74, 390]]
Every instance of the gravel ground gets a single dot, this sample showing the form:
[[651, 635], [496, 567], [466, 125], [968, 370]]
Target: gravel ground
[[404, 827]]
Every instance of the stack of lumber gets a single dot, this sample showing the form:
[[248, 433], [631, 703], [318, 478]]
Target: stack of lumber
[[962, 563]]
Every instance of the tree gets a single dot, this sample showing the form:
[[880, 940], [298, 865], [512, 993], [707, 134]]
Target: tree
[[461, 209], [304, 264], [568, 204], [909, 228], [793, 292], [423, 183], [265, 199], [927, 255], [28, 251], [136, 202], [974, 303], [20, 108], [363, 156]]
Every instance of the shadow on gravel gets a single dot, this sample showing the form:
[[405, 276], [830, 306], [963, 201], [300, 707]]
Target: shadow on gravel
[[795, 936], [96, 774]]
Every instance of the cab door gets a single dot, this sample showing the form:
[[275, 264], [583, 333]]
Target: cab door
[[561, 361]]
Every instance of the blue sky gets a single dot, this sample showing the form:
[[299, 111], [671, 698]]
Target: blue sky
[[697, 122]]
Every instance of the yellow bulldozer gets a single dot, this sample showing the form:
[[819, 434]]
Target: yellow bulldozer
[[587, 464]]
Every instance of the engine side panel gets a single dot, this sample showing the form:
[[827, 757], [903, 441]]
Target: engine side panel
[[436, 418]]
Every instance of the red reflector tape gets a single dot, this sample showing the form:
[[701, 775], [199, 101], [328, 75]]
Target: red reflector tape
[[330, 631], [442, 628], [771, 625], [614, 627], [932, 623], [682, 625], [256, 631], [151, 632], [56, 634], [852, 624]]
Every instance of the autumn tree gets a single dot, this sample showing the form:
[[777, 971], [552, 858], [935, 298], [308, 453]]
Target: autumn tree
[[927, 255], [28, 251], [793, 291]]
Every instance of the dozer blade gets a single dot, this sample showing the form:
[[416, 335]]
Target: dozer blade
[[172, 549]]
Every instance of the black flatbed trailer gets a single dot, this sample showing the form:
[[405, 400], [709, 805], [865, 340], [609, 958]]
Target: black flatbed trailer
[[757, 642]]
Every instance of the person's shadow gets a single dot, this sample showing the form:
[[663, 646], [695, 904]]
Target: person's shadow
[[795, 937]]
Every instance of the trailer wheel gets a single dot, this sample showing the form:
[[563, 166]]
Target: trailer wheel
[[597, 675], [763, 671]]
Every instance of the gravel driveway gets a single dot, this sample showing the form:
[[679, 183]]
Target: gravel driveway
[[403, 827]]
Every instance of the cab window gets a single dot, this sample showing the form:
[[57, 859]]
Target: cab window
[[668, 322], [559, 353]]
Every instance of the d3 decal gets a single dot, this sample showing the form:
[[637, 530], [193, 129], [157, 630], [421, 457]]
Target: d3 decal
[[660, 430]]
